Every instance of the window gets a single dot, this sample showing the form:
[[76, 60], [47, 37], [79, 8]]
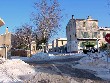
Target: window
[[84, 24], [62, 42], [85, 34], [75, 35], [95, 35], [70, 48], [34, 48], [70, 37], [104, 33], [69, 28]]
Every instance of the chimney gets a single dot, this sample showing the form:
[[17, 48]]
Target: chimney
[[89, 17], [72, 16], [7, 30]]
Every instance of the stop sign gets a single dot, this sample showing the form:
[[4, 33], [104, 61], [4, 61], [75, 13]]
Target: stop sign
[[107, 38]]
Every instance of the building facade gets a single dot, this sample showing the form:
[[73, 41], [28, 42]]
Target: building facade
[[5, 42], [102, 33], [82, 31], [59, 45], [6, 46]]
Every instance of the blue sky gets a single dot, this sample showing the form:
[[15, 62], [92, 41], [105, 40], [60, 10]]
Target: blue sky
[[18, 12]]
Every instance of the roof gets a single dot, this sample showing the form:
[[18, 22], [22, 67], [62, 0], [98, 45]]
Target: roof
[[84, 39], [62, 38], [86, 19], [104, 28], [1, 22]]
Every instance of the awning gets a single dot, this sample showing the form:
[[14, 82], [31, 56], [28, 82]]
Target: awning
[[1, 22]]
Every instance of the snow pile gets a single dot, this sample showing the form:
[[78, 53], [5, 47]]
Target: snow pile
[[15, 71], [40, 57], [96, 62], [92, 59], [2, 60], [65, 56], [21, 58], [46, 56]]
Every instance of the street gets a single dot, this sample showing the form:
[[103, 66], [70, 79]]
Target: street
[[61, 71]]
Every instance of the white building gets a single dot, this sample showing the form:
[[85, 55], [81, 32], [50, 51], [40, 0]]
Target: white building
[[58, 45], [81, 31]]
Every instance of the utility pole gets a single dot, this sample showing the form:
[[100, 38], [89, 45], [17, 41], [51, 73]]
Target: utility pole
[[97, 42], [97, 38]]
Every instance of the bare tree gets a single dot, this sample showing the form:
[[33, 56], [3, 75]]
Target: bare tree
[[47, 18], [23, 37]]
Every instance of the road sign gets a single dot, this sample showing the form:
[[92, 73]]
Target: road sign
[[107, 38]]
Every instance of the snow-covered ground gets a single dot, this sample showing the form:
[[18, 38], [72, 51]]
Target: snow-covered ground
[[45, 56], [96, 62], [14, 71]]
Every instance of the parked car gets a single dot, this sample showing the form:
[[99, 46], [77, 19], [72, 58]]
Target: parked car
[[92, 50]]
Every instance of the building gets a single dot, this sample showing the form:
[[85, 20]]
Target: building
[[5, 42], [83, 32], [59, 45], [102, 33], [6, 46]]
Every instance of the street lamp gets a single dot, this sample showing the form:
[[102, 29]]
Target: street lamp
[[97, 40]]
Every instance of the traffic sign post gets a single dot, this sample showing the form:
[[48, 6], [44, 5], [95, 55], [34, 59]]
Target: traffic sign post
[[107, 38]]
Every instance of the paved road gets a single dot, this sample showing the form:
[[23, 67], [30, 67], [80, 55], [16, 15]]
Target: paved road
[[64, 69], [56, 61]]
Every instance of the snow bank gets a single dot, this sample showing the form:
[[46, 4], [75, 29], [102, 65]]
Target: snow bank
[[65, 56], [2, 60], [14, 71], [96, 62], [39, 57], [46, 56]]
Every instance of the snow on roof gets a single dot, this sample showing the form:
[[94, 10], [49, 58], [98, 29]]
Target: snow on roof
[[62, 38], [104, 28], [1, 22]]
